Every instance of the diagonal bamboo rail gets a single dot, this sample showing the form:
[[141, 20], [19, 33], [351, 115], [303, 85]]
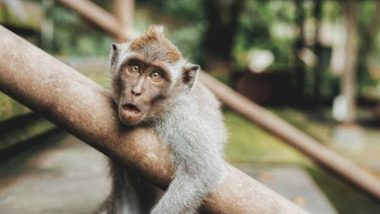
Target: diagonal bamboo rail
[[256, 114], [85, 109]]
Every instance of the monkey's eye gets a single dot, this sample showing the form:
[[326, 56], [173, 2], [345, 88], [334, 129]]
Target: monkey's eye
[[156, 75], [134, 68]]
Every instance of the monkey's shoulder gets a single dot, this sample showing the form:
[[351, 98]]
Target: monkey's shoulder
[[200, 107], [203, 97]]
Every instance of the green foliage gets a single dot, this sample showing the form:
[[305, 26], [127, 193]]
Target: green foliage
[[367, 85], [256, 25], [74, 37], [186, 24], [10, 107], [344, 197], [24, 132], [183, 10], [183, 19]]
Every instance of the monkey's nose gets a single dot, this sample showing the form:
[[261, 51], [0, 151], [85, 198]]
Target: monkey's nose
[[136, 92]]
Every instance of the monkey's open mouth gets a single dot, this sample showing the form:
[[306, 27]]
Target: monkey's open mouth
[[130, 108], [130, 114]]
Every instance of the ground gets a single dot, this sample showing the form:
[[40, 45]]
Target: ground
[[64, 177], [67, 176]]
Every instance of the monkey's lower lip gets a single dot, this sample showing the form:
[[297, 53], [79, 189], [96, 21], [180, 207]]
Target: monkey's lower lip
[[130, 108]]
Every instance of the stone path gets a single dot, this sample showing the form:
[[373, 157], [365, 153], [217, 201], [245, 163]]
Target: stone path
[[67, 178], [294, 184], [71, 177]]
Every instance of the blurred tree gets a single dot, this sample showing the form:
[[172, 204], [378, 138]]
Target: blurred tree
[[219, 38], [183, 19], [74, 37], [267, 25], [223, 32], [369, 28], [299, 44], [318, 71]]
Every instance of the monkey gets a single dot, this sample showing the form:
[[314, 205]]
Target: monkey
[[153, 85]]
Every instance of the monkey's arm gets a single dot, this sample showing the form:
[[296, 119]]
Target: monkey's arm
[[196, 153], [188, 188]]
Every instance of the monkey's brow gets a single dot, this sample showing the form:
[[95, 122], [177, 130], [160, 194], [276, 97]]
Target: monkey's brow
[[141, 61]]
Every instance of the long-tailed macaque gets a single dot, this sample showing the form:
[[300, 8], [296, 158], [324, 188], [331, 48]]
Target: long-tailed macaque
[[154, 86]]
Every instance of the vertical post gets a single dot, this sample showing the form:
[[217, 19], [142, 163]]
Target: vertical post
[[123, 11], [348, 84]]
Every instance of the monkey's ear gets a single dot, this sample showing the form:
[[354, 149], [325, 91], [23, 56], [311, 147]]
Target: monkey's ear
[[115, 47], [114, 53], [190, 71]]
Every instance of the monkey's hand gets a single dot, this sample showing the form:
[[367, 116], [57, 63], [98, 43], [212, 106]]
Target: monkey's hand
[[188, 188]]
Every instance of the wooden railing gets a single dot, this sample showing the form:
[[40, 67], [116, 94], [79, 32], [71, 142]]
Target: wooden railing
[[85, 109]]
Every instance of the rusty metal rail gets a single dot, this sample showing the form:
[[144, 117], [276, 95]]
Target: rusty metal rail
[[263, 118]]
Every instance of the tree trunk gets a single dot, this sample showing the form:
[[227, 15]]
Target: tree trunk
[[223, 18], [348, 79], [318, 70], [298, 46]]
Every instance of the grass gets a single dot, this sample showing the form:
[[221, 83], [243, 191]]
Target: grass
[[316, 124], [24, 132], [248, 143], [10, 108], [344, 197]]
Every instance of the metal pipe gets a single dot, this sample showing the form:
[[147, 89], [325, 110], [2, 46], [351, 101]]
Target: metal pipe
[[85, 109], [123, 11], [96, 14]]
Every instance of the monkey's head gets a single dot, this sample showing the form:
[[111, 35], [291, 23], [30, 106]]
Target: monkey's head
[[147, 73]]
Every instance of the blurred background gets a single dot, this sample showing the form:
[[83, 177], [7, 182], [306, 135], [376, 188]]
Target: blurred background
[[314, 63]]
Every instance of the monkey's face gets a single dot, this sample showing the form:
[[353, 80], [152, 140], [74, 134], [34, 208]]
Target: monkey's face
[[147, 73], [143, 88]]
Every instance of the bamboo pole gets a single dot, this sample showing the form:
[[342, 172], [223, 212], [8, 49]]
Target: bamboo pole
[[85, 109], [273, 124]]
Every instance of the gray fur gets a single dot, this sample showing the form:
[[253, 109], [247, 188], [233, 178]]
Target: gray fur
[[195, 133], [191, 124], [130, 193]]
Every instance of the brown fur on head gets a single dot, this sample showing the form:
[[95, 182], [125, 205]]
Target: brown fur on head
[[147, 73], [154, 45]]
